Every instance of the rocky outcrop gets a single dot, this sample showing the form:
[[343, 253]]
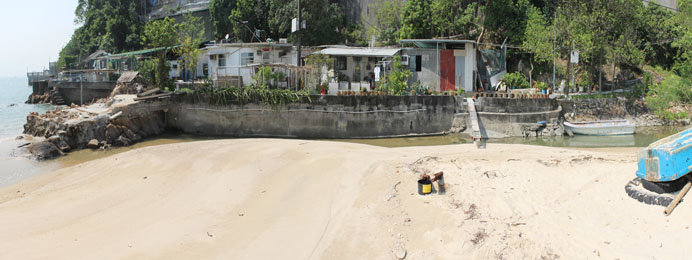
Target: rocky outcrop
[[44, 98], [97, 126], [44, 150], [636, 111]]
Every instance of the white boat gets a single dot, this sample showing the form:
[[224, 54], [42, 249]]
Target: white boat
[[606, 127]]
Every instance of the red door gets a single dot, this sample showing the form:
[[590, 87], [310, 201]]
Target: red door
[[447, 70]]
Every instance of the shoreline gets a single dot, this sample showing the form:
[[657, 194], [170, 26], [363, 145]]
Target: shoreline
[[270, 198]]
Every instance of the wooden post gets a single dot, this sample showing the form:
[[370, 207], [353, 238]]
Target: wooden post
[[678, 198]]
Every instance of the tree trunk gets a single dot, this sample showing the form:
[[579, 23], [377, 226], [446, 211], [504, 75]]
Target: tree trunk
[[593, 72], [568, 74], [614, 78], [600, 75], [531, 72]]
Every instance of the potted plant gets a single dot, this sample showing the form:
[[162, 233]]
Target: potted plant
[[542, 86], [516, 80]]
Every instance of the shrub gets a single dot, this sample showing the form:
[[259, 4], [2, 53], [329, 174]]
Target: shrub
[[397, 81], [672, 91], [250, 94], [516, 80], [541, 85]]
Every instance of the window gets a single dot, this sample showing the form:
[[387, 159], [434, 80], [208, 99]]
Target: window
[[419, 63], [340, 63], [222, 60], [247, 58]]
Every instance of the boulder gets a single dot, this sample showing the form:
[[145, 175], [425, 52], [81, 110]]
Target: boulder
[[122, 141], [93, 144], [64, 147], [44, 150], [112, 132], [54, 139]]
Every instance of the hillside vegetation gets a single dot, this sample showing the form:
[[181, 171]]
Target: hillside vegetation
[[612, 37]]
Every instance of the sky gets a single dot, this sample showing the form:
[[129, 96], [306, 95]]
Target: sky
[[33, 32]]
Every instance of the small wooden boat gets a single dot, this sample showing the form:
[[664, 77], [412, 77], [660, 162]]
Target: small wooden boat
[[606, 127], [667, 159]]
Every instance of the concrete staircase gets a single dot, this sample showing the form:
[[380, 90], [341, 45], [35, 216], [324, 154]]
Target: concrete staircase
[[56, 97], [476, 135]]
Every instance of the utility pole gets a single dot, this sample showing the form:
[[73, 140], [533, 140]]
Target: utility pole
[[554, 39], [554, 42], [300, 22], [81, 86]]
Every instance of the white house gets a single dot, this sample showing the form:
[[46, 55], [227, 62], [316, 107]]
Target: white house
[[236, 63], [358, 68]]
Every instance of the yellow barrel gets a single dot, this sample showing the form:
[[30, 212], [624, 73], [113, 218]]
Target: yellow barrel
[[424, 187]]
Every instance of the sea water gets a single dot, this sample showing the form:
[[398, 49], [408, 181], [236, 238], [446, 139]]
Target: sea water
[[14, 167]]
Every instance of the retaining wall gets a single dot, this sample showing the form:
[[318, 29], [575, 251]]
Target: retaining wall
[[325, 117], [595, 108], [90, 91], [362, 117], [505, 117]]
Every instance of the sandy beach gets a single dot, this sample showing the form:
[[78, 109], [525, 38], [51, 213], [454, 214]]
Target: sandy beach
[[296, 199]]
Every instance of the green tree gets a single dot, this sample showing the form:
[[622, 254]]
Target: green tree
[[113, 26], [657, 29], [453, 18], [324, 20], [249, 14], [599, 29], [416, 20], [162, 34], [683, 28], [190, 35], [387, 21], [219, 11]]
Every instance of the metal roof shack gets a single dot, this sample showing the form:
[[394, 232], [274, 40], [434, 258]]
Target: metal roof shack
[[360, 52], [437, 43]]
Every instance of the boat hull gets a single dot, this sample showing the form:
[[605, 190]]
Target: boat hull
[[667, 159], [600, 128]]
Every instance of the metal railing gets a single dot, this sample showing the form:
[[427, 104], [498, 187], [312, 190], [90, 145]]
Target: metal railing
[[165, 8]]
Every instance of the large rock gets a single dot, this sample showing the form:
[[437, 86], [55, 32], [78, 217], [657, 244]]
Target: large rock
[[122, 141], [44, 150], [112, 132], [93, 144]]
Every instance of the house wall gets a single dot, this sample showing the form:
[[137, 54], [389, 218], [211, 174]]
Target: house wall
[[233, 56], [367, 66], [471, 67], [428, 76], [201, 61], [430, 72]]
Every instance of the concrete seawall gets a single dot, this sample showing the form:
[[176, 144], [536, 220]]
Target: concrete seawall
[[365, 117], [90, 91]]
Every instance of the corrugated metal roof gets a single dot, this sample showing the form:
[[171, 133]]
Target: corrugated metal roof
[[128, 76], [140, 52], [432, 43], [368, 52]]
